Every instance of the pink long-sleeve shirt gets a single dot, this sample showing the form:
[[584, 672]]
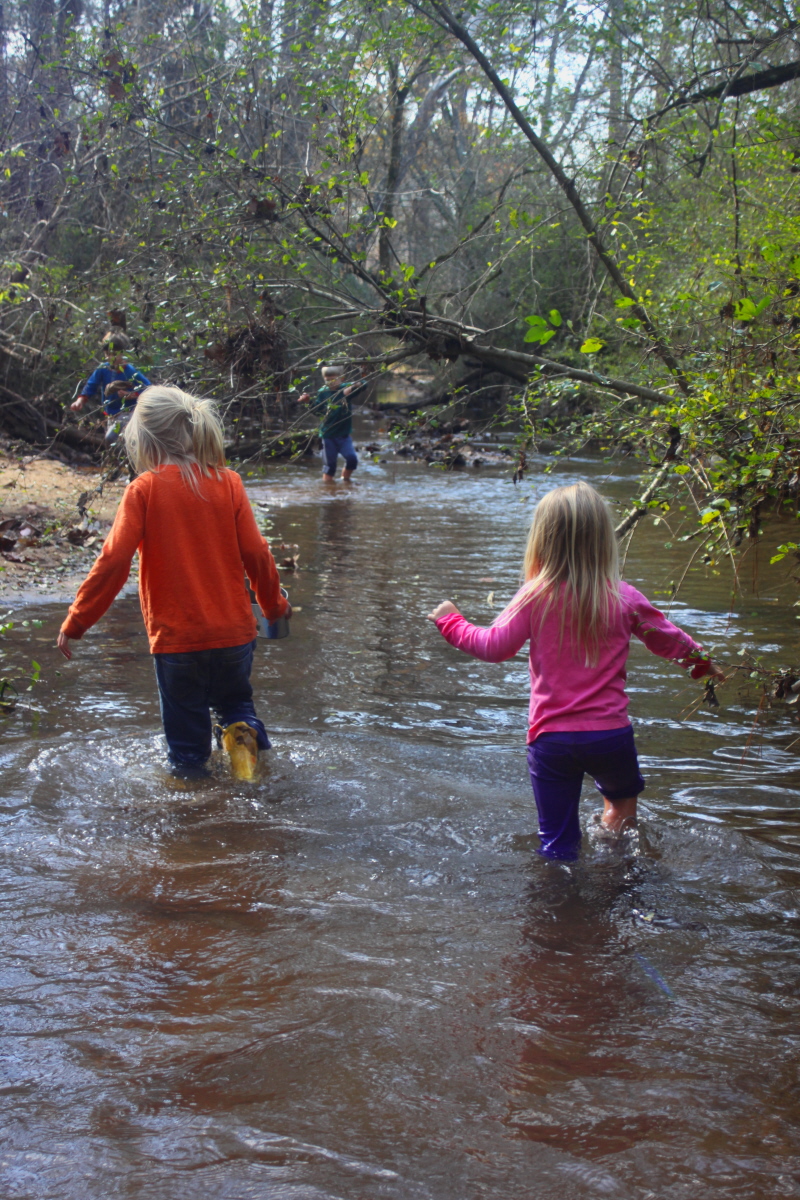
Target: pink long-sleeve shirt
[[565, 693]]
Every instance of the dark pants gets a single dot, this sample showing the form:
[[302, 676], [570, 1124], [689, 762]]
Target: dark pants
[[191, 684], [115, 425], [332, 447], [558, 762]]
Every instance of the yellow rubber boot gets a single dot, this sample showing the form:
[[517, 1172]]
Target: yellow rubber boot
[[241, 743]]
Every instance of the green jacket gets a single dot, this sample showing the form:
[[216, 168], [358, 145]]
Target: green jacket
[[336, 410]]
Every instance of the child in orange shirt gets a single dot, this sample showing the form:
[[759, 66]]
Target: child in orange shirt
[[191, 522]]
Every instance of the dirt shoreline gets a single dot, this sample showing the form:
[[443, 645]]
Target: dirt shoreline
[[48, 541]]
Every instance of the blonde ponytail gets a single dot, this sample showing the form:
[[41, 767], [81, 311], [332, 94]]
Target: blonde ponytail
[[171, 427]]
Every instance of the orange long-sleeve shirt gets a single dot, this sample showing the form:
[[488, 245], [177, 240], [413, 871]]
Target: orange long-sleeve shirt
[[192, 549]]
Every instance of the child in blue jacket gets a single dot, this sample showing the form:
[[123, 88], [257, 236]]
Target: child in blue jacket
[[116, 383]]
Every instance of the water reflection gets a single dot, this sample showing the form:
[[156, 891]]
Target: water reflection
[[352, 977]]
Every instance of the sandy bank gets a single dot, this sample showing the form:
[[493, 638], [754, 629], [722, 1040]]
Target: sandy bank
[[48, 541]]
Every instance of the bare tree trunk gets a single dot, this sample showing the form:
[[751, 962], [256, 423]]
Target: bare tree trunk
[[616, 128], [4, 113], [397, 100], [552, 57]]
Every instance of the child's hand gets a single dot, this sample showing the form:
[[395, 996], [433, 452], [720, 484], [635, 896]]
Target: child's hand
[[78, 404], [708, 669], [302, 399], [442, 610], [63, 645]]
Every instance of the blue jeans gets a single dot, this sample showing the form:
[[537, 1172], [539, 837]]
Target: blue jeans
[[190, 684], [115, 425], [557, 764], [332, 447]]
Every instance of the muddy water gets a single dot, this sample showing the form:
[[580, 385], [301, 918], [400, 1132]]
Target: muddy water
[[354, 978]]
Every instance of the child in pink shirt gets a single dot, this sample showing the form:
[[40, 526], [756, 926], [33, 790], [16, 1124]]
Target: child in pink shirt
[[579, 617]]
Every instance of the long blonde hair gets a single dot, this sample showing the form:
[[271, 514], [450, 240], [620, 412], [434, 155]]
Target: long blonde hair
[[571, 556], [169, 426]]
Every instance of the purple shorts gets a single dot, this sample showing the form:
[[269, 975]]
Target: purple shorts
[[557, 763]]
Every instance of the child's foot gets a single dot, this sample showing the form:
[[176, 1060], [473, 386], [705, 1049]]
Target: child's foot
[[241, 742], [619, 815], [346, 475], [328, 479], [189, 771]]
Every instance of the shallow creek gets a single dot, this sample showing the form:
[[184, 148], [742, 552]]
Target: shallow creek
[[354, 978]]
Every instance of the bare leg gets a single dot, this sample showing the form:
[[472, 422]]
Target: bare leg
[[346, 474], [619, 814], [327, 479]]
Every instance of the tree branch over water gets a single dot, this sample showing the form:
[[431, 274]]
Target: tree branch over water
[[445, 17]]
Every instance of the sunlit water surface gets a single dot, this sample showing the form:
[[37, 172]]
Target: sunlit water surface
[[355, 978]]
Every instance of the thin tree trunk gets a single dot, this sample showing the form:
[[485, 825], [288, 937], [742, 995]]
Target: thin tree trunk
[[552, 56], [616, 130], [397, 100]]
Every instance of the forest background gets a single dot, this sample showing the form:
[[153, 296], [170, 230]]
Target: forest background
[[584, 217]]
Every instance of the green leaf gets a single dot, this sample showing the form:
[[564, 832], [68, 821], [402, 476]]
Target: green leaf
[[591, 346], [555, 317], [745, 309], [545, 338], [537, 321]]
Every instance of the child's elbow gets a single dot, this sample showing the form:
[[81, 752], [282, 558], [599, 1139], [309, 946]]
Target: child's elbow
[[494, 653]]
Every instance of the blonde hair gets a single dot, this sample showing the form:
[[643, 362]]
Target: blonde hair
[[572, 553], [170, 427], [332, 373]]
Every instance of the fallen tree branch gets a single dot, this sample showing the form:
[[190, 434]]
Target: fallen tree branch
[[496, 356], [426, 331]]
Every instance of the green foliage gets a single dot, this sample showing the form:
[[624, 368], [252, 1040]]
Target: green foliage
[[16, 677], [268, 186], [539, 331]]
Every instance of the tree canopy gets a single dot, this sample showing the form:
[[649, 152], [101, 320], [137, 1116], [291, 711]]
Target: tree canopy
[[597, 203]]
